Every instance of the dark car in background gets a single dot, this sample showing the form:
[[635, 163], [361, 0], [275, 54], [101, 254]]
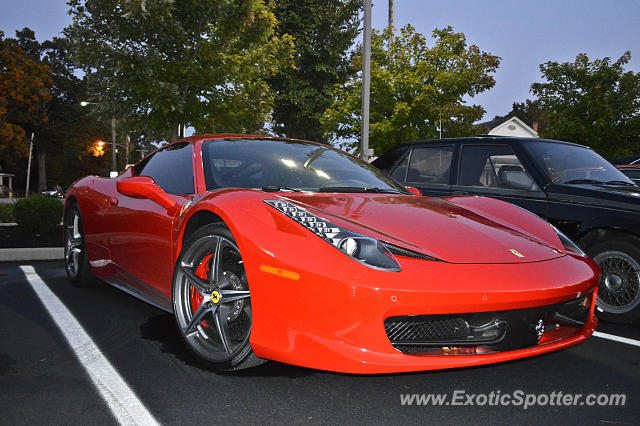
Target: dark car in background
[[632, 159], [55, 192], [631, 171], [569, 185]]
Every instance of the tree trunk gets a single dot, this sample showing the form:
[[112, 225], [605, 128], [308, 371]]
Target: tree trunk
[[174, 132], [42, 171]]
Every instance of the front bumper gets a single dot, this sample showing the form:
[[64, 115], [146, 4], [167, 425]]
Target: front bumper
[[315, 307]]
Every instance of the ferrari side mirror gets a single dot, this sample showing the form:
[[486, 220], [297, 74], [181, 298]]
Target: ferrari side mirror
[[414, 191], [144, 187]]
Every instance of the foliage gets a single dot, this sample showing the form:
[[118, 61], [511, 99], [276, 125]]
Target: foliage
[[6, 213], [38, 214], [24, 92], [161, 63], [412, 85], [324, 30], [594, 103], [69, 132]]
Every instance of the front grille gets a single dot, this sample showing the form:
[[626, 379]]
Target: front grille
[[491, 331], [418, 349], [417, 330], [575, 310]]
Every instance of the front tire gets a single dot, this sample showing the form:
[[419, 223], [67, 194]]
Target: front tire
[[619, 289], [212, 301]]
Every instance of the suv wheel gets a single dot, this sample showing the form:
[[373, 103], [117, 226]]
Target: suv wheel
[[619, 290]]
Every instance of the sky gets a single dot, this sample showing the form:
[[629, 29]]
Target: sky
[[524, 34]]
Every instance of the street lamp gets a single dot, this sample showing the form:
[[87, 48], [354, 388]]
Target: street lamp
[[114, 170]]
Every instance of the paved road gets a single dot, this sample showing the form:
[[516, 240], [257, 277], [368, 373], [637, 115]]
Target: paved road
[[42, 381]]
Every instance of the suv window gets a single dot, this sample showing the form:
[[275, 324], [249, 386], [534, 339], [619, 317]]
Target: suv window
[[400, 172], [387, 161], [430, 164], [171, 168], [493, 166]]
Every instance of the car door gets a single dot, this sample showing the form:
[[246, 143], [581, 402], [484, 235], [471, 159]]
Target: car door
[[140, 241], [496, 171], [427, 168]]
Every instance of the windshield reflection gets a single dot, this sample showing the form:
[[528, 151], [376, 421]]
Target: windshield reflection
[[281, 164], [571, 164]]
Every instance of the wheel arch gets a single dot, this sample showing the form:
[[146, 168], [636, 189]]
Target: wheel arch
[[595, 235], [196, 221], [71, 200]]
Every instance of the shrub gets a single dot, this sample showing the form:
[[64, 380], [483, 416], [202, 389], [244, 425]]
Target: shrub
[[6, 213], [38, 214]]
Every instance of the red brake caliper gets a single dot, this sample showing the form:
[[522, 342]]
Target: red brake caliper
[[202, 272]]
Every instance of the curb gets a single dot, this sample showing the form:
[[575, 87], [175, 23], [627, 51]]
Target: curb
[[27, 254]]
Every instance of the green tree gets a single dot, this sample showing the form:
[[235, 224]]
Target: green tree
[[595, 103], [24, 93], [323, 30], [162, 63], [412, 86]]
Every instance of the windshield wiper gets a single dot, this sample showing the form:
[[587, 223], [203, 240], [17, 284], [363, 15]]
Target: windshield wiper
[[273, 188], [579, 181], [358, 189], [597, 182], [619, 182]]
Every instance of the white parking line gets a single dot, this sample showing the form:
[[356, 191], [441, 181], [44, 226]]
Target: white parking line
[[617, 338], [123, 402]]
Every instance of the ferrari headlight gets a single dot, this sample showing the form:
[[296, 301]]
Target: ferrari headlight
[[568, 244], [363, 249]]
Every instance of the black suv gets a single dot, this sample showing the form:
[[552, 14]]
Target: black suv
[[569, 185]]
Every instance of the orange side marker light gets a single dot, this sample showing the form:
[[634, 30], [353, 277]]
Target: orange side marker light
[[280, 272]]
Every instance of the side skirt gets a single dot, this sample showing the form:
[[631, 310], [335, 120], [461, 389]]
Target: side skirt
[[140, 290]]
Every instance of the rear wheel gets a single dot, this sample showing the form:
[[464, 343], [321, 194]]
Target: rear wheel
[[212, 301], [619, 290], [75, 253]]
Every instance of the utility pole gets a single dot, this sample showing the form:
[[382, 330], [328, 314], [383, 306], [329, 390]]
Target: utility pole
[[392, 18], [114, 168], [29, 166], [365, 152], [126, 150]]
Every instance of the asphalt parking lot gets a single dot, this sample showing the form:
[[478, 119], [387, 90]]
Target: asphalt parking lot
[[42, 380]]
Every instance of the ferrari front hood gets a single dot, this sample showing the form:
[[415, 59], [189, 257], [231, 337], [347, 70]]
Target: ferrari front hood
[[433, 226]]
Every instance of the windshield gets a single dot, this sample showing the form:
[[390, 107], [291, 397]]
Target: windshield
[[572, 164], [276, 164]]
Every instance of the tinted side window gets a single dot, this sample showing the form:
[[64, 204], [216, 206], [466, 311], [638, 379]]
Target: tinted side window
[[493, 167], [386, 162], [430, 164], [171, 168], [400, 172]]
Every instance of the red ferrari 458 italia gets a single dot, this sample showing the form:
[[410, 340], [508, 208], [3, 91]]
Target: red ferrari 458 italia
[[278, 249]]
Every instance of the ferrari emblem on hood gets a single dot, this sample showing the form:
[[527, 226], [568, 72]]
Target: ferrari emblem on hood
[[516, 253]]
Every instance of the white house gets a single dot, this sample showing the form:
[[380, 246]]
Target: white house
[[510, 126]]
